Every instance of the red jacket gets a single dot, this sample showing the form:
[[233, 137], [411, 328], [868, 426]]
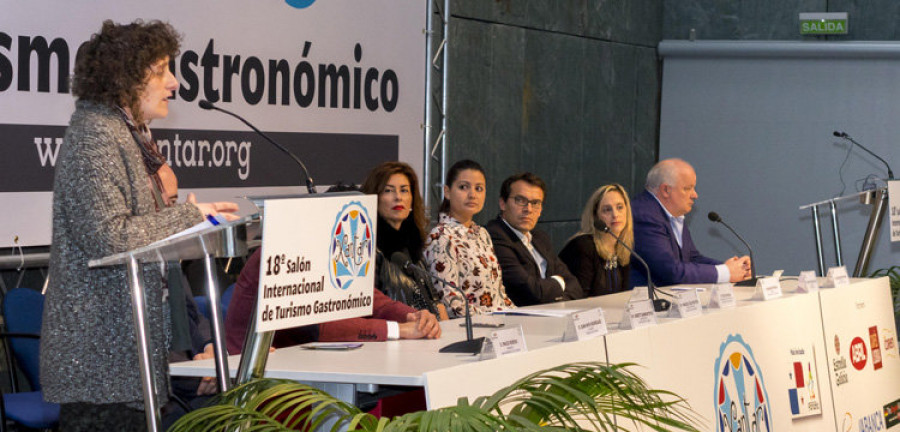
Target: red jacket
[[243, 304]]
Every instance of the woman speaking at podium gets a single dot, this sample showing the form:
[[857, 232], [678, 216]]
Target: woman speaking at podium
[[107, 199]]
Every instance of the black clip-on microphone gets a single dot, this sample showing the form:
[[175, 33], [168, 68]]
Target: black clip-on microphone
[[310, 186], [471, 345], [659, 304], [713, 216], [844, 135]]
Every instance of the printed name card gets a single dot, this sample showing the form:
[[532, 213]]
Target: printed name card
[[687, 304], [837, 277], [807, 282], [638, 314], [639, 293], [504, 342], [767, 288], [584, 325], [722, 296]]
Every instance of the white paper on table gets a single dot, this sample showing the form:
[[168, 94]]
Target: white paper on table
[[553, 313]]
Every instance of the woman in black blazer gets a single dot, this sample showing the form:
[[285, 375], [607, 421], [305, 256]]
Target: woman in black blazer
[[601, 265]]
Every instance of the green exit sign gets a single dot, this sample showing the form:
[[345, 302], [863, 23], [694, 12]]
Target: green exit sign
[[823, 23]]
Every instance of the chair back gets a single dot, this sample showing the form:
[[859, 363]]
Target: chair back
[[203, 303], [23, 311]]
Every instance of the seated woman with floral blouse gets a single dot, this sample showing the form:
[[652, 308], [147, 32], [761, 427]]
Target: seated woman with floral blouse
[[460, 251]]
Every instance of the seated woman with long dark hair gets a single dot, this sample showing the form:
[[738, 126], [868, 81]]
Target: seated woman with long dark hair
[[601, 264], [460, 251], [401, 236]]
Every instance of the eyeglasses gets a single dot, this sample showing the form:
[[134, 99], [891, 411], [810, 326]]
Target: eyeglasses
[[523, 202]]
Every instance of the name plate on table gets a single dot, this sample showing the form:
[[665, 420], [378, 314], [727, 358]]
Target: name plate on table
[[638, 314], [807, 282], [503, 343], [837, 277], [686, 305], [767, 288], [722, 296], [639, 293], [584, 325], [318, 260]]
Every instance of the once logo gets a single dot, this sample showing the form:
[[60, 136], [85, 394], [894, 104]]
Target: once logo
[[742, 402], [858, 353], [300, 4], [351, 249]]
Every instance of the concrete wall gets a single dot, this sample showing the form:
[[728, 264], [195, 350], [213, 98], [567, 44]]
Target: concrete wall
[[567, 89], [776, 19]]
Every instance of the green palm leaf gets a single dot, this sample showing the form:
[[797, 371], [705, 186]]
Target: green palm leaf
[[589, 396]]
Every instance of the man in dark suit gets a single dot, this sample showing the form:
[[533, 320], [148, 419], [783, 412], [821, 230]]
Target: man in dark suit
[[532, 273], [663, 240]]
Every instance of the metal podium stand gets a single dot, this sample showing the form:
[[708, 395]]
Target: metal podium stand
[[878, 199], [226, 240]]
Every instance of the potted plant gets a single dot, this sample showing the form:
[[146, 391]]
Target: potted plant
[[577, 396]]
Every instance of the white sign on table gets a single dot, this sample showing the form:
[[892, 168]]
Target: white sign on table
[[722, 296], [807, 282], [584, 325], [767, 288], [686, 305], [318, 260], [638, 314], [837, 277], [503, 343], [639, 293]]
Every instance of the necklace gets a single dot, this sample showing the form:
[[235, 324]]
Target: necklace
[[612, 263]]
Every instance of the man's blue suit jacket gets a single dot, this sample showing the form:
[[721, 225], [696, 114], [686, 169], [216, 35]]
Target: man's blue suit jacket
[[655, 241]]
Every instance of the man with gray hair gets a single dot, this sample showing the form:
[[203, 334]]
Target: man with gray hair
[[662, 239]]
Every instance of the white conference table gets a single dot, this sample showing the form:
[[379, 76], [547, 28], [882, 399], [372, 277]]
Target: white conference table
[[677, 354], [445, 376]]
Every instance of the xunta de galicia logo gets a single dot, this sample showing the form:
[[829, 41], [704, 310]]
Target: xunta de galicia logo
[[352, 248], [742, 402]]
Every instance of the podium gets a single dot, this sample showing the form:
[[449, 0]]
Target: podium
[[878, 199], [223, 241]]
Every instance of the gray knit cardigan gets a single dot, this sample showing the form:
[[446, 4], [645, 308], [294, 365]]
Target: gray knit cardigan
[[102, 205]]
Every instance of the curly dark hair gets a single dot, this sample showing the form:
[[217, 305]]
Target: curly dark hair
[[379, 177], [112, 67]]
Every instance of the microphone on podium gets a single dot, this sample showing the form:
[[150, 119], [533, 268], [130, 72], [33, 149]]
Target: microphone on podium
[[714, 217], [659, 304], [842, 134], [310, 186]]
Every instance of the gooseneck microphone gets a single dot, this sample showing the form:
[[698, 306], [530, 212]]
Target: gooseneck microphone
[[423, 278], [714, 217], [471, 345], [659, 304], [310, 186], [841, 134]]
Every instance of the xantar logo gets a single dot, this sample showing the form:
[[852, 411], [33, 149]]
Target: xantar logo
[[742, 402], [352, 245]]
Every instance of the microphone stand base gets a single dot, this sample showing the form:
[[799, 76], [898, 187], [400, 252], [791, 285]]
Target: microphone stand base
[[471, 346], [661, 305], [747, 283]]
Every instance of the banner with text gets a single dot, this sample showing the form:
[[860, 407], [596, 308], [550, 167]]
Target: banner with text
[[340, 83], [318, 260]]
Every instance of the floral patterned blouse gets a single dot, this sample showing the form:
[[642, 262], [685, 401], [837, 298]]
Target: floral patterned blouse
[[464, 256]]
